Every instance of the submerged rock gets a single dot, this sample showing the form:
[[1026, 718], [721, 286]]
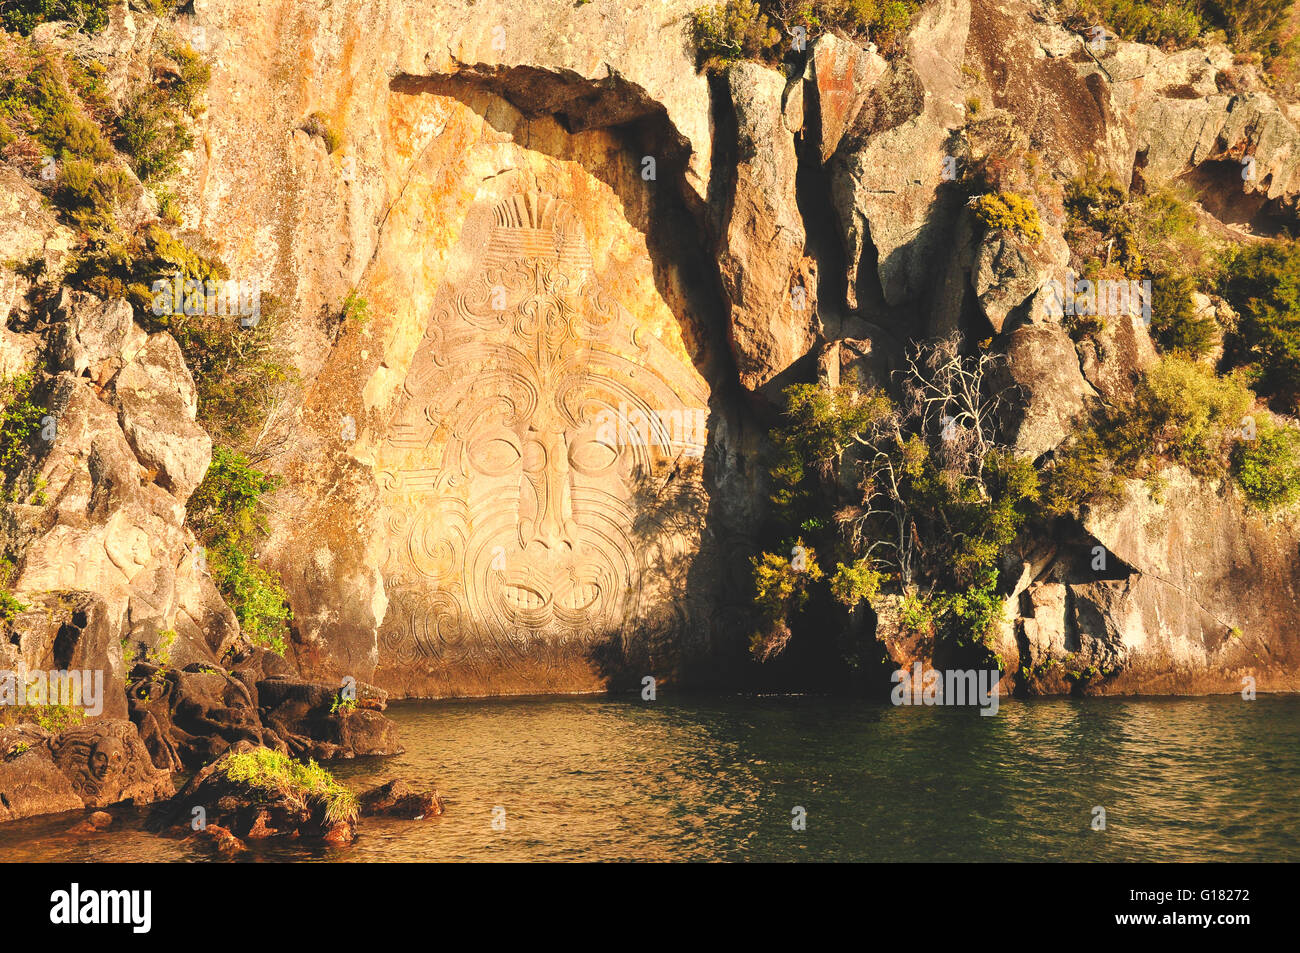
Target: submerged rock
[[398, 799], [96, 822]]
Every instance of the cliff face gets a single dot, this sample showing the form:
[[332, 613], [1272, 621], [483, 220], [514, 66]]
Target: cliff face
[[534, 461]]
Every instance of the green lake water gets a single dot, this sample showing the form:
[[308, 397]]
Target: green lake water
[[697, 779]]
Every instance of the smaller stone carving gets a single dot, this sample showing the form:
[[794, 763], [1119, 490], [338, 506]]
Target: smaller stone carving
[[108, 763]]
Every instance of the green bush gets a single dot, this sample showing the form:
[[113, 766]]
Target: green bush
[[90, 195], [732, 30], [237, 368], [1175, 325], [1267, 468], [19, 420], [40, 95], [895, 506], [1262, 282], [1157, 237], [856, 583], [194, 74], [225, 513], [308, 784], [1172, 24], [1262, 27], [1184, 413], [319, 124], [152, 133], [1009, 211], [23, 16], [10, 606], [1181, 412]]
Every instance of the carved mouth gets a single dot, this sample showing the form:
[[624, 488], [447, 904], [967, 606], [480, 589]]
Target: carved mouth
[[579, 597], [524, 598]]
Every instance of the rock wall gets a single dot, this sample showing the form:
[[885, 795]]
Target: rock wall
[[534, 461]]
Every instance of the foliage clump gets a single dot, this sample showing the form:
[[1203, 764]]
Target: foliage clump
[[1009, 211], [1180, 413], [319, 124], [1267, 468], [728, 31], [1155, 237], [23, 16], [304, 785], [226, 514], [1262, 283], [19, 420], [916, 499], [1263, 30]]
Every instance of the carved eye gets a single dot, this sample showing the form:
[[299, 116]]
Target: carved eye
[[590, 456], [495, 455]]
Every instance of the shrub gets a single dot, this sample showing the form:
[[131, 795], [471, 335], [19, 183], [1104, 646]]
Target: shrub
[[90, 195], [855, 583], [931, 512], [19, 420], [253, 593], [1171, 24], [225, 513], [732, 30], [38, 97], [151, 131], [1267, 468], [23, 16], [1181, 412], [1263, 27], [193, 75], [10, 606], [355, 308], [1262, 282], [306, 784], [1009, 211], [237, 369], [1156, 236], [1175, 325]]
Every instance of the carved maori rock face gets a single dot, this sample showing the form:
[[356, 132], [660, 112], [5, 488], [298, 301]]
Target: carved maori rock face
[[519, 467], [107, 763]]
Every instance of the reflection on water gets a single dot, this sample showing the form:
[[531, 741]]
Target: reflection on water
[[691, 779]]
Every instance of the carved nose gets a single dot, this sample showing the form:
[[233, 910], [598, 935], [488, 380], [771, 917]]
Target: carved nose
[[546, 469]]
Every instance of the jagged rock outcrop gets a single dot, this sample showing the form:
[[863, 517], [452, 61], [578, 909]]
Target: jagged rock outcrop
[[399, 799], [887, 174], [116, 458], [770, 286]]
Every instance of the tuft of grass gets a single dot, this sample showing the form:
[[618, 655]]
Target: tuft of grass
[[305, 784], [356, 308], [53, 718]]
